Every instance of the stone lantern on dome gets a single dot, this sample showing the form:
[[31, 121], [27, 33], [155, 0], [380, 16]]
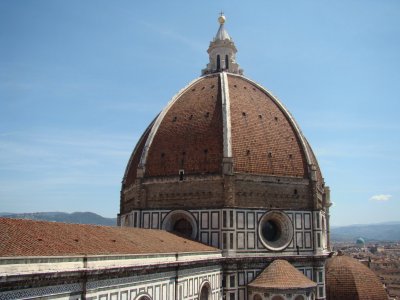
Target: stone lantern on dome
[[222, 52]]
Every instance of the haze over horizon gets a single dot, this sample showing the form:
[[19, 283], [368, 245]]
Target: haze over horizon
[[4, 214], [80, 82]]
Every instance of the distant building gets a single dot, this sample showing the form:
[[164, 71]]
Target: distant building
[[360, 242]]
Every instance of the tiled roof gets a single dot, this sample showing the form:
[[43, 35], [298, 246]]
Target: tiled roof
[[263, 139], [281, 275], [131, 168], [38, 238], [349, 279], [190, 134]]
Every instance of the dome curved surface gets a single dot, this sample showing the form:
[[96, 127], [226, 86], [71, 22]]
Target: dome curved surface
[[347, 278], [263, 138], [281, 275], [189, 136], [214, 118], [131, 169]]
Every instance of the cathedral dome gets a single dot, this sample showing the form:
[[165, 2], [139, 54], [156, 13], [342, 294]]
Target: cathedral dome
[[347, 278], [219, 116], [222, 124], [225, 163]]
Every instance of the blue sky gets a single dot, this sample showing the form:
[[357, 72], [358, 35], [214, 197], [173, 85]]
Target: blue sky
[[81, 80]]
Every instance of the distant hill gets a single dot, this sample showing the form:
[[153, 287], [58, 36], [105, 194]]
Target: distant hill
[[389, 231], [76, 217]]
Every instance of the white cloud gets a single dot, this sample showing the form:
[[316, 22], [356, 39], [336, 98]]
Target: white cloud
[[381, 197]]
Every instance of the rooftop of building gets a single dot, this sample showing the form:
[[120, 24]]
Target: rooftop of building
[[281, 275], [22, 238], [347, 278]]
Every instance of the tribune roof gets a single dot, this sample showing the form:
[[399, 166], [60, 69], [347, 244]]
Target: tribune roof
[[347, 278], [39, 238], [281, 275]]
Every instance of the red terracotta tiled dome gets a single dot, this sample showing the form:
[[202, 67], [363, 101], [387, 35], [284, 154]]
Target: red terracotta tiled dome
[[347, 278], [223, 141], [281, 275], [221, 116]]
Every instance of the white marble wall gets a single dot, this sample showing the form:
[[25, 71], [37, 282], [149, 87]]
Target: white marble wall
[[160, 286], [236, 230], [156, 286]]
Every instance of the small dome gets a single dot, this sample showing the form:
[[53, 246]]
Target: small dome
[[281, 275], [360, 241], [348, 279]]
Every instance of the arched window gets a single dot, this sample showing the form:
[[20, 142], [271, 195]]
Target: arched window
[[143, 297], [257, 297], [218, 62], [226, 62], [205, 292], [299, 297]]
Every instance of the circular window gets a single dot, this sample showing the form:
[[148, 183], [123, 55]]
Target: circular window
[[275, 230], [183, 226], [271, 231], [181, 223]]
